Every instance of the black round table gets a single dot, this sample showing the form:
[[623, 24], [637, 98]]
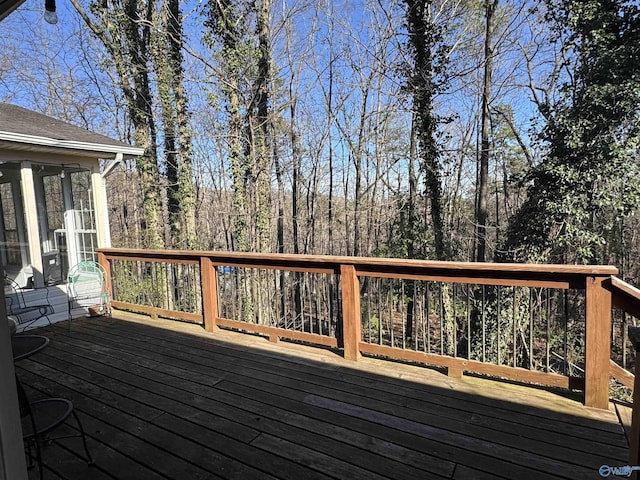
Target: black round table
[[26, 345]]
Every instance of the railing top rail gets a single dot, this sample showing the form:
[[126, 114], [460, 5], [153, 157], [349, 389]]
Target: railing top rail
[[625, 287], [373, 265], [625, 296]]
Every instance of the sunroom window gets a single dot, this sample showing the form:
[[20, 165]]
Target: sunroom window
[[57, 214], [84, 214], [69, 235], [13, 251]]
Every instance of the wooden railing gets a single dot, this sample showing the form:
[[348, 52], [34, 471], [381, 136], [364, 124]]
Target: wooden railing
[[345, 331], [634, 440], [627, 298]]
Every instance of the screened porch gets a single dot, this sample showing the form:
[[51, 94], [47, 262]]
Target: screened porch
[[65, 222]]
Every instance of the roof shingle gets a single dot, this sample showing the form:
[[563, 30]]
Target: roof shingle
[[19, 121]]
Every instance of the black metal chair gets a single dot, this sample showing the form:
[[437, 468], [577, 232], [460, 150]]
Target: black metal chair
[[26, 313], [41, 417]]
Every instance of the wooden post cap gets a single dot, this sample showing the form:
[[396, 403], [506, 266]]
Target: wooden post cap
[[634, 337]]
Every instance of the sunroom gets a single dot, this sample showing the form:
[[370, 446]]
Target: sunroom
[[53, 199]]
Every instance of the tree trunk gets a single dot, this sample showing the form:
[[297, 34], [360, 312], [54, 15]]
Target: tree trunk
[[262, 132], [482, 213], [185, 185], [124, 30], [412, 231], [422, 35], [175, 118]]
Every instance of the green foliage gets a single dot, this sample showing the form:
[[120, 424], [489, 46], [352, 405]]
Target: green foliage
[[372, 325], [140, 285], [589, 177], [408, 235]]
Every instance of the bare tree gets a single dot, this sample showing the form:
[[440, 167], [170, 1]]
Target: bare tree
[[124, 30], [483, 175]]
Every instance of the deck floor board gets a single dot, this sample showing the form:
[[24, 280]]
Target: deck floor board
[[470, 424], [423, 393], [454, 417], [166, 400]]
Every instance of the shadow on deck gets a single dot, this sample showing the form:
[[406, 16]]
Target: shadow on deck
[[166, 400]]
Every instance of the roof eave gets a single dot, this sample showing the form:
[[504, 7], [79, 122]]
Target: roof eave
[[8, 6], [126, 150]]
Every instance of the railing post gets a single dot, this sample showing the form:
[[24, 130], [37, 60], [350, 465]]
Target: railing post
[[634, 441], [350, 312], [106, 264], [209, 283], [597, 344]]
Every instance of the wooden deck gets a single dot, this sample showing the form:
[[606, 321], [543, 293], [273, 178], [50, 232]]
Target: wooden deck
[[166, 400]]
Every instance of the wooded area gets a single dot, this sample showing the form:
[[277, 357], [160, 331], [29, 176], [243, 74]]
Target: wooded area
[[444, 129]]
